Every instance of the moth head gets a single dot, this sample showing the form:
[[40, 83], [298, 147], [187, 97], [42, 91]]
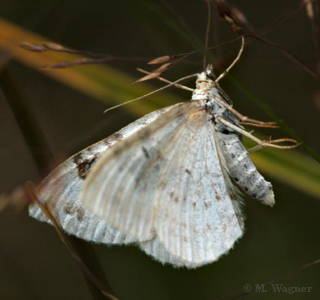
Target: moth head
[[209, 72], [206, 78]]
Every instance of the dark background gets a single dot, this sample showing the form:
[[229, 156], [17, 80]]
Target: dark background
[[34, 264]]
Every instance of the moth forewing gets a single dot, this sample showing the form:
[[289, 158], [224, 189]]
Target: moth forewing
[[62, 189], [121, 187], [166, 183]]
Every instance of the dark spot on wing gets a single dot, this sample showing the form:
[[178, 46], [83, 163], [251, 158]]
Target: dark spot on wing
[[176, 199], [146, 132], [157, 167], [218, 197], [194, 204], [67, 209], [153, 231], [107, 142], [74, 210], [188, 171], [114, 138], [225, 227], [80, 214], [84, 165], [146, 153], [207, 204], [117, 136]]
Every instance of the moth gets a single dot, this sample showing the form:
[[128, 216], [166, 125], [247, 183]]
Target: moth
[[163, 182]]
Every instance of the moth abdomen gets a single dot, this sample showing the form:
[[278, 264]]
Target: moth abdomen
[[256, 186], [241, 168]]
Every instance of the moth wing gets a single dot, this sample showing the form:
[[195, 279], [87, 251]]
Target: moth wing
[[199, 217], [122, 187], [156, 249], [166, 183], [62, 189]]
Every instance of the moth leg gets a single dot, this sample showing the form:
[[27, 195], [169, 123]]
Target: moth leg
[[244, 119], [258, 147], [261, 144], [263, 124]]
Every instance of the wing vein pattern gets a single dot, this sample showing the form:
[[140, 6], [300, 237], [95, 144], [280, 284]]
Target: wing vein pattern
[[164, 187]]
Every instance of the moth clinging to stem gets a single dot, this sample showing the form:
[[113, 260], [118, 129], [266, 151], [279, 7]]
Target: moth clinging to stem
[[164, 181]]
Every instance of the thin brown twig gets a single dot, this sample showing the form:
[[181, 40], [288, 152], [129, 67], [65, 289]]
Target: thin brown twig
[[207, 34], [37, 144], [259, 37], [289, 54]]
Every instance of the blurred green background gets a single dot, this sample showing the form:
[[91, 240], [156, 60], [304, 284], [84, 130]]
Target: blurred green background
[[34, 264]]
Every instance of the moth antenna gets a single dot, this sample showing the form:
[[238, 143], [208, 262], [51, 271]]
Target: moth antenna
[[234, 62], [153, 92], [207, 35]]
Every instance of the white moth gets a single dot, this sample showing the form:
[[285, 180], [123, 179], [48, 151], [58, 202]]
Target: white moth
[[162, 182]]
